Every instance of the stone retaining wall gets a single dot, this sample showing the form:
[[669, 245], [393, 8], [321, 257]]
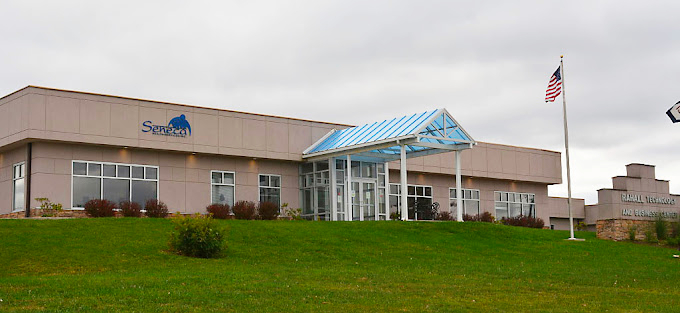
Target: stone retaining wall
[[617, 229], [39, 213]]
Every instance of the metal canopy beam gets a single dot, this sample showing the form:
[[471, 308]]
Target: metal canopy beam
[[369, 146]]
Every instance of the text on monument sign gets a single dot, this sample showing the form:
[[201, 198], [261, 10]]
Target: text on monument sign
[[649, 213], [627, 197]]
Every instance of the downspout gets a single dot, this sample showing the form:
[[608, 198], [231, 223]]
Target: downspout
[[29, 151]]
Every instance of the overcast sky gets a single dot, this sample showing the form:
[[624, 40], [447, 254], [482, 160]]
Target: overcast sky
[[487, 62]]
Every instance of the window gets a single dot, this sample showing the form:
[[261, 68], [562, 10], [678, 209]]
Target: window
[[419, 201], [222, 187], [470, 201], [270, 189], [18, 193], [513, 204], [114, 182]]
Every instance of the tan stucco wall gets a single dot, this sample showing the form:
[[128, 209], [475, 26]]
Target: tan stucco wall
[[494, 161], [47, 114], [184, 179], [441, 184], [66, 126], [55, 115], [559, 207]]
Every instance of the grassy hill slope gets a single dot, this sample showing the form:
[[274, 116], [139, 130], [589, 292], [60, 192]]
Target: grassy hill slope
[[277, 266]]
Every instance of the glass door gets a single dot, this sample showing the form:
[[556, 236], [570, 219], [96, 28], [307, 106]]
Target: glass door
[[363, 201], [356, 201], [368, 200]]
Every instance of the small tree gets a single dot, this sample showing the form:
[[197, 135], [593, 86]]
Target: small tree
[[156, 208]]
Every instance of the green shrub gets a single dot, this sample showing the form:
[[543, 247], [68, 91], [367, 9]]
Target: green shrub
[[632, 230], [130, 209], [675, 229], [156, 208], [244, 210], [100, 208], [395, 216], [197, 236], [661, 228], [673, 242], [523, 221], [580, 226], [219, 211], [294, 214], [267, 211], [650, 236], [48, 208]]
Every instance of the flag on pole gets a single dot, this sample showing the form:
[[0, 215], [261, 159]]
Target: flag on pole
[[554, 86]]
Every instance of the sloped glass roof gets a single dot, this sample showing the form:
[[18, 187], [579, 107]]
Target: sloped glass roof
[[423, 133]]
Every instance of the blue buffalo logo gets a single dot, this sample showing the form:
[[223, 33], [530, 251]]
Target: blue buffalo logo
[[180, 122], [178, 127]]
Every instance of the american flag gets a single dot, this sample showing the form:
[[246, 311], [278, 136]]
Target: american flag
[[554, 86]]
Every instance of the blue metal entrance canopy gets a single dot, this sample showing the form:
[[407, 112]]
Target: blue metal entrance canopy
[[424, 133]]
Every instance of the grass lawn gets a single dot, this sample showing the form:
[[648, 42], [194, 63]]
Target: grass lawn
[[119, 264]]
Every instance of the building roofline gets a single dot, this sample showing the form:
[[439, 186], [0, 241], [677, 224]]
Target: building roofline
[[641, 164], [566, 198], [519, 147], [225, 110], [171, 103]]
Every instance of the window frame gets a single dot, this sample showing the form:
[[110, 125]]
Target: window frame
[[22, 166], [102, 177], [224, 184], [515, 196], [259, 187], [398, 194], [463, 199]]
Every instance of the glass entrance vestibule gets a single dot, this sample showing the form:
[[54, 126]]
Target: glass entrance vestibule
[[359, 191], [349, 170]]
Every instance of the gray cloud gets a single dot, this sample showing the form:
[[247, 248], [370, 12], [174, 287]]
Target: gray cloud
[[487, 62]]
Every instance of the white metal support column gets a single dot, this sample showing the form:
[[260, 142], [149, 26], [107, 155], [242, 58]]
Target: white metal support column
[[459, 189], [360, 196], [404, 188], [387, 192], [348, 203], [315, 196], [333, 191]]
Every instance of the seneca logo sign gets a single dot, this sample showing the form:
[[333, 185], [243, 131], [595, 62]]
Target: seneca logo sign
[[178, 127]]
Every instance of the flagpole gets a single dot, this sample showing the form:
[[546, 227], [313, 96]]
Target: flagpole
[[566, 147]]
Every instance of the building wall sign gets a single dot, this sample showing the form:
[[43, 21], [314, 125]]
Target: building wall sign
[[178, 127], [649, 213], [627, 197]]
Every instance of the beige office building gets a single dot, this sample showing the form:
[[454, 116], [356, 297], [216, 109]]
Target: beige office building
[[74, 146]]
